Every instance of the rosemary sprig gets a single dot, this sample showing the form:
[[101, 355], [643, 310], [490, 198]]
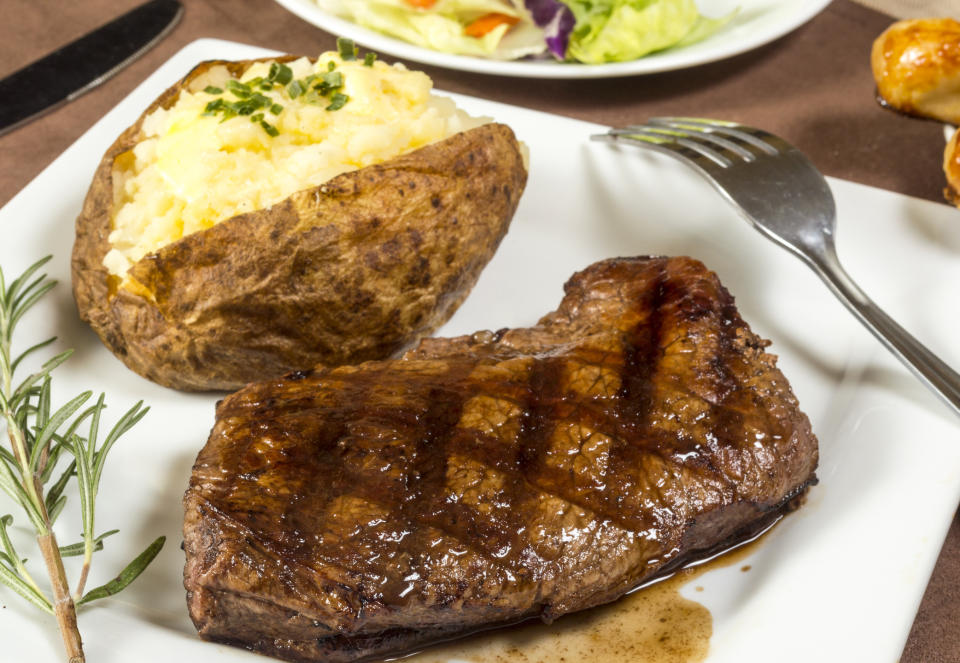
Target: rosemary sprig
[[42, 439]]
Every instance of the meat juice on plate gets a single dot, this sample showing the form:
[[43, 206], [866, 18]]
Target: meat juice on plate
[[653, 625]]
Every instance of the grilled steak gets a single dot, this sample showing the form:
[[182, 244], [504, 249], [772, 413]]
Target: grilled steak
[[364, 511]]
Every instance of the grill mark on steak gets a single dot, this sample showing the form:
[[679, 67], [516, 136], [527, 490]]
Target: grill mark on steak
[[641, 352], [363, 511]]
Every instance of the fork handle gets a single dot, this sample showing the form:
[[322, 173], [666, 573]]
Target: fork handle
[[931, 370]]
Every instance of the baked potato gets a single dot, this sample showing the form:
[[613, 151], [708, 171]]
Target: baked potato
[[209, 285]]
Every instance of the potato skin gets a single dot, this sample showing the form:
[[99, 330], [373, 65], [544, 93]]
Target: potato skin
[[355, 269]]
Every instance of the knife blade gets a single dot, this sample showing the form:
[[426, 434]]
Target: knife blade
[[83, 64]]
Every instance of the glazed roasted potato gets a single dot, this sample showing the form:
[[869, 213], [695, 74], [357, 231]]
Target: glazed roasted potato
[[916, 65], [951, 168], [201, 288]]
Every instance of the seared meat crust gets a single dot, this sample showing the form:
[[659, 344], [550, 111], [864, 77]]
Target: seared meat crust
[[367, 510]]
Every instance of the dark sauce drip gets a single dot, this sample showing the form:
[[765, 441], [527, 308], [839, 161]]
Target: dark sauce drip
[[655, 624]]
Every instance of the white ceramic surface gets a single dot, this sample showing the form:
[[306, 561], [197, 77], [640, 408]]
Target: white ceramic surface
[[840, 580], [758, 22]]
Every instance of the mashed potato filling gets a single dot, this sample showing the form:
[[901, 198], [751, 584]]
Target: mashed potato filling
[[193, 168]]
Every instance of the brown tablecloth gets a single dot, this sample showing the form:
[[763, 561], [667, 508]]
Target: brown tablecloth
[[813, 87]]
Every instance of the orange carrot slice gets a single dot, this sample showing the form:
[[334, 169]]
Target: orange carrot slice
[[481, 26], [422, 4]]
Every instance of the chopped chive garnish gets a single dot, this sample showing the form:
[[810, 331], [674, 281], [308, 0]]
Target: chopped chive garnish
[[294, 89], [239, 89], [369, 59], [320, 89], [280, 73], [333, 79], [346, 48], [337, 101]]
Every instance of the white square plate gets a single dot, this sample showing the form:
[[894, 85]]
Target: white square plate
[[840, 580]]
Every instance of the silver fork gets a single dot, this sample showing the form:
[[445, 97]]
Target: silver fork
[[775, 187]]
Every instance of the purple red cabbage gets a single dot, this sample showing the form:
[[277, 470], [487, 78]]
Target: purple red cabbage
[[557, 21]]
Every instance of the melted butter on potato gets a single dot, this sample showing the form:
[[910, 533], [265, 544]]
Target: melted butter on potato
[[190, 170]]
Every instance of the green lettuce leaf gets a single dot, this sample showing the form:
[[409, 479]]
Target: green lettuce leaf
[[619, 30]]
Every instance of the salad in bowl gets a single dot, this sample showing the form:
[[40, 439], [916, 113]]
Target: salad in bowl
[[585, 31]]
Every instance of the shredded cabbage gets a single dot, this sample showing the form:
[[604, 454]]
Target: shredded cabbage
[[557, 22], [441, 26]]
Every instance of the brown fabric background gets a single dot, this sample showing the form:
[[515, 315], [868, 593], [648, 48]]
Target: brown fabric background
[[813, 87]]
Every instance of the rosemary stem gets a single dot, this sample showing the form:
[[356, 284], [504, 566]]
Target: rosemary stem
[[63, 606], [87, 558]]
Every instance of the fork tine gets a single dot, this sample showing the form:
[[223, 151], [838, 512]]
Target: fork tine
[[667, 137], [763, 140], [688, 151], [732, 150]]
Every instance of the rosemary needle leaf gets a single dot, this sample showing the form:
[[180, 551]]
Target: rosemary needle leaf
[[16, 567], [5, 541], [128, 575], [127, 421], [5, 559], [21, 306], [53, 510], [15, 285], [7, 481], [14, 582], [86, 490], [23, 355], [94, 423], [25, 390], [95, 410], [75, 549], [13, 488], [56, 420], [37, 282], [42, 414], [55, 491], [53, 457]]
